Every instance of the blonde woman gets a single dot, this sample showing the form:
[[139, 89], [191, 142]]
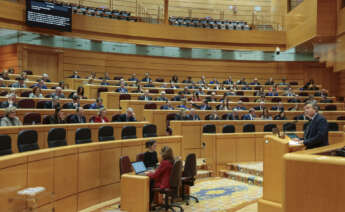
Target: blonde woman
[[10, 118]]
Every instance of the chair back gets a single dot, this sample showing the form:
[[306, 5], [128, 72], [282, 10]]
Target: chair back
[[140, 157], [3, 93], [125, 96], [153, 91], [45, 119], [269, 127], [25, 94], [5, 145], [41, 104], [69, 118], [209, 128], [341, 118], [150, 106], [26, 103], [244, 99], [125, 165], [32, 118], [169, 91], [289, 127], [190, 166], [27, 140], [276, 99], [87, 106], [116, 118], [149, 130], [176, 175], [170, 116], [249, 128], [229, 128], [129, 132], [332, 126], [106, 133], [330, 107], [68, 105], [239, 93], [102, 89], [57, 137], [82, 136]]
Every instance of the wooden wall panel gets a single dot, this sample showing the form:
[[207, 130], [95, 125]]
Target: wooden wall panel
[[8, 57], [341, 18], [326, 18]]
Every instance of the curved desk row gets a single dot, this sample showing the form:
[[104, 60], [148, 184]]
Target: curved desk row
[[75, 177], [45, 92], [43, 130]]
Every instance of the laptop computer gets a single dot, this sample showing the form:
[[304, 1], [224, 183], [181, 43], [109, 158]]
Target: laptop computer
[[292, 135], [139, 167]]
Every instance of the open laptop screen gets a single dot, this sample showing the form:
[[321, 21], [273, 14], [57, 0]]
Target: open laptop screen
[[139, 167]]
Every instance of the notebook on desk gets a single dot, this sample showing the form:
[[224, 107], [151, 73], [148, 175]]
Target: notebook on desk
[[139, 167]]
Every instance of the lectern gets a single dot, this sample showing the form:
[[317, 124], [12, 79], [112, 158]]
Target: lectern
[[274, 149]]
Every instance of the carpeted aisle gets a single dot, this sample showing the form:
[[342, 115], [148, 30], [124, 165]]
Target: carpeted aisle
[[217, 194]]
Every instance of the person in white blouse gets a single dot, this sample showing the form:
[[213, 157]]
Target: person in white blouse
[[36, 93]]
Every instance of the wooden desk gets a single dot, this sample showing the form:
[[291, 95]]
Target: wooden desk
[[135, 195], [80, 176], [45, 92], [316, 179], [20, 113]]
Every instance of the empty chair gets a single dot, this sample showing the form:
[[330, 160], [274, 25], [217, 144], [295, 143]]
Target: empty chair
[[41, 104], [249, 128], [129, 132], [82, 136], [125, 96], [3, 93], [150, 106], [229, 128], [102, 89], [169, 91], [106, 133], [330, 107], [32, 118], [5, 145], [87, 106], [269, 127], [239, 93], [244, 99], [276, 99], [303, 94], [140, 157], [341, 118], [57, 137], [159, 80], [25, 94], [69, 118], [170, 117], [125, 165], [27, 140], [209, 128], [188, 176], [290, 127], [149, 130], [26, 103], [153, 91], [46, 119], [332, 126]]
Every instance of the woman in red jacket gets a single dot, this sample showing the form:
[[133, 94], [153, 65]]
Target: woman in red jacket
[[160, 178], [101, 116]]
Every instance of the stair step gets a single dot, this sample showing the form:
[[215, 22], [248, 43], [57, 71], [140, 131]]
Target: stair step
[[203, 174], [252, 168], [243, 177]]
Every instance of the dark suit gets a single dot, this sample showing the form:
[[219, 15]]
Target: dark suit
[[166, 107], [259, 108], [49, 105], [161, 99], [248, 117], [316, 133], [6, 104], [202, 107], [125, 118], [145, 99], [231, 116], [77, 119], [122, 90], [195, 117], [74, 76]]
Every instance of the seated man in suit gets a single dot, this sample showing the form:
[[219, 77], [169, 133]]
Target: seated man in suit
[[228, 81], [146, 78], [188, 80], [173, 85], [41, 84], [274, 92], [242, 81], [122, 89], [270, 81], [145, 97], [185, 91], [255, 82], [52, 104], [133, 78], [181, 115], [233, 116], [122, 81], [129, 116], [74, 75], [240, 106], [316, 133], [192, 115], [202, 80], [149, 85], [167, 106], [104, 82], [203, 106], [19, 84], [162, 97], [11, 101], [45, 77], [98, 104], [213, 116], [183, 104], [212, 98], [78, 117], [289, 92], [261, 106], [250, 115], [74, 104], [59, 93], [246, 88], [279, 107]]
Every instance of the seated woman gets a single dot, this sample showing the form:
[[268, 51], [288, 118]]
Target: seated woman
[[101, 116], [36, 93], [58, 117], [160, 178], [10, 118], [266, 115], [150, 156]]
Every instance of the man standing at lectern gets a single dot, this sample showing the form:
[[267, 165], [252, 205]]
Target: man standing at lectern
[[316, 133]]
